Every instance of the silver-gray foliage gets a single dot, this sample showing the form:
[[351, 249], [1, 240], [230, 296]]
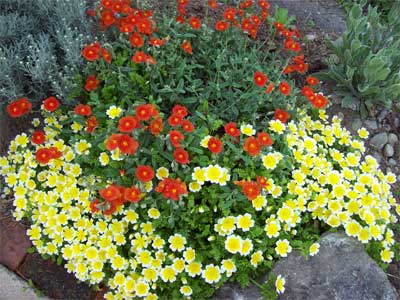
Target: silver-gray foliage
[[40, 47]]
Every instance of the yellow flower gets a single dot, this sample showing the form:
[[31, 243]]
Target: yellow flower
[[363, 133], [177, 242], [352, 228], [272, 228], [168, 274], [186, 290], [199, 175], [82, 147], [285, 214], [194, 187], [270, 161], [104, 159], [245, 222], [283, 247], [189, 255], [280, 284], [277, 126], [259, 202], [247, 129], [233, 244], [213, 173], [211, 274], [204, 141], [314, 249], [256, 258], [387, 255], [228, 266], [153, 213], [247, 247], [113, 112], [193, 269], [162, 173], [142, 289]]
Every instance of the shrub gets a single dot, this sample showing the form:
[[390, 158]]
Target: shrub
[[366, 61], [40, 49], [157, 208], [217, 79]]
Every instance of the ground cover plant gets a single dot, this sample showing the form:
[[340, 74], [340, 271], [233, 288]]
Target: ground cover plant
[[366, 61], [152, 197]]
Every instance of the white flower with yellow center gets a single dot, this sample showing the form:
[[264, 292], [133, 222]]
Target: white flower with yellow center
[[168, 274], [233, 244], [113, 112], [247, 247], [82, 147], [213, 173], [177, 242], [228, 266], [194, 187], [162, 173], [271, 160], [259, 202], [247, 129], [272, 228], [363, 133], [387, 255], [186, 290], [199, 175], [153, 213], [204, 141], [280, 284], [245, 222], [142, 289], [211, 274], [277, 126], [256, 258], [283, 247], [314, 249]]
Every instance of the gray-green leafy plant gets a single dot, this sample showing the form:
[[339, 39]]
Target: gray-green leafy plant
[[40, 47], [365, 65]]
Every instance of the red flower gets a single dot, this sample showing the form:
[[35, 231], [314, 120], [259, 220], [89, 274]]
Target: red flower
[[260, 79], [221, 25], [179, 110], [43, 156], [215, 145], [51, 104], [285, 89], [136, 40], [251, 189], [107, 3], [171, 188], [106, 56], [231, 129], [156, 126], [229, 13], [264, 139], [139, 57], [175, 137], [112, 208], [307, 91], [38, 137], [270, 88], [187, 47], [252, 146], [195, 22], [91, 124], [180, 19], [181, 156], [93, 206], [91, 83], [91, 52], [144, 173], [107, 18], [132, 194], [263, 182], [127, 124], [19, 107], [83, 110], [157, 42], [212, 4], [144, 111], [127, 145], [281, 115], [320, 101], [55, 153], [175, 120], [187, 126], [144, 26], [112, 142], [110, 193], [312, 80], [292, 45]]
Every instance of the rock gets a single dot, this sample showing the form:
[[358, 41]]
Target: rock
[[371, 124], [342, 270], [327, 15], [356, 124], [392, 139], [232, 291], [397, 122], [379, 140], [383, 114], [311, 37], [392, 162], [398, 152], [389, 151], [340, 115], [378, 157]]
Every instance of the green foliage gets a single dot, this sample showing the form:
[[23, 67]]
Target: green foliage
[[366, 61]]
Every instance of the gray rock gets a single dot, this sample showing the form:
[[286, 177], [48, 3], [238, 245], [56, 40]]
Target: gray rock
[[392, 162], [327, 15], [378, 157], [342, 270], [371, 124], [379, 140], [356, 124], [397, 122], [389, 151], [340, 115], [383, 114], [392, 139], [232, 291]]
